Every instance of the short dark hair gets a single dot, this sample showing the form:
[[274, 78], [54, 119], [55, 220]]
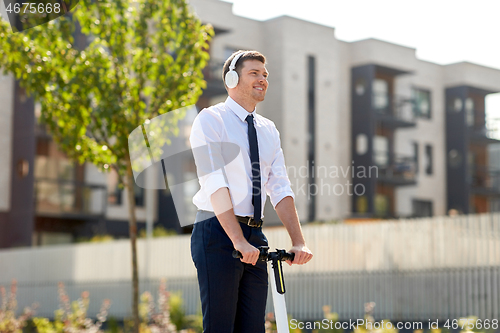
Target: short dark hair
[[249, 55]]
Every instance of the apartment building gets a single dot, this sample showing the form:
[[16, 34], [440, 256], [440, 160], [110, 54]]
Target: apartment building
[[368, 131], [365, 126]]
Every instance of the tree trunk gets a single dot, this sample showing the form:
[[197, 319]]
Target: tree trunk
[[133, 241]]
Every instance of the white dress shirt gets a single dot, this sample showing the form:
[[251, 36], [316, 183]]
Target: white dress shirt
[[223, 129]]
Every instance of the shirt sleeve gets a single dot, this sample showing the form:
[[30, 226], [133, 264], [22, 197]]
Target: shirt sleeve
[[278, 185], [205, 140]]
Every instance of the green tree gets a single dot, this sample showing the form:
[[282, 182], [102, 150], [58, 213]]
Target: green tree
[[145, 58]]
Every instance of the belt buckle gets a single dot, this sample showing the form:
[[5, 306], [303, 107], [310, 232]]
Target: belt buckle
[[249, 222], [256, 224]]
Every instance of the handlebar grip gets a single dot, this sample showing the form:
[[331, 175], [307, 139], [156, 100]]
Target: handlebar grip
[[237, 255], [288, 256]]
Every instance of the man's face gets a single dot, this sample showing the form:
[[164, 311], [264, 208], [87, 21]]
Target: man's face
[[252, 84]]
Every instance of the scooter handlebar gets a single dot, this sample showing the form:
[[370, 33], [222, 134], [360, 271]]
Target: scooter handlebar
[[265, 255], [284, 256]]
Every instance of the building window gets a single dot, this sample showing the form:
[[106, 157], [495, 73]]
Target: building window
[[382, 205], [139, 194], [469, 112], [360, 86], [381, 96], [422, 103], [422, 208], [457, 104], [361, 144], [114, 192], [428, 160], [415, 156], [362, 204], [494, 205], [454, 158], [381, 151]]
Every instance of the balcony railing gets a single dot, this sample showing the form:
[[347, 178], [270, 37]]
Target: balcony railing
[[396, 108], [395, 168], [69, 199], [490, 130], [485, 179]]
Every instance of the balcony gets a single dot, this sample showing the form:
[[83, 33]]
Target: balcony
[[395, 169], [213, 75], [485, 181], [394, 112], [69, 199], [485, 133]]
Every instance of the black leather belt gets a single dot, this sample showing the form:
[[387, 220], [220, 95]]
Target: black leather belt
[[249, 221], [203, 215]]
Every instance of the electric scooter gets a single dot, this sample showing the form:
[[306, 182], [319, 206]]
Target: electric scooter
[[277, 282]]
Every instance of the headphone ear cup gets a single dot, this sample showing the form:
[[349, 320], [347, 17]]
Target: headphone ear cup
[[232, 79]]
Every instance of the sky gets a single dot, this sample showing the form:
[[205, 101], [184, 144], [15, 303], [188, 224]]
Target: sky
[[442, 31]]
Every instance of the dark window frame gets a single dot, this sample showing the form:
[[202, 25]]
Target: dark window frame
[[429, 159], [139, 196], [416, 202], [416, 110], [416, 155], [311, 129]]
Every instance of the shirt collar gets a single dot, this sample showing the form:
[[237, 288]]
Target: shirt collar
[[238, 109]]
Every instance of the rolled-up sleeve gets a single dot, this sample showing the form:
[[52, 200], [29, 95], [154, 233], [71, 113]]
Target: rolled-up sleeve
[[278, 184], [206, 144]]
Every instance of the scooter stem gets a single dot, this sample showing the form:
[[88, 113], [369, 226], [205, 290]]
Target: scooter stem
[[277, 283]]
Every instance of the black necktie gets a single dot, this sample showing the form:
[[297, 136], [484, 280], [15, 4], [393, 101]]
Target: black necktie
[[254, 159]]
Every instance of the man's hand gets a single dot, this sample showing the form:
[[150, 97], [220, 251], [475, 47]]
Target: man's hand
[[302, 255], [250, 253]]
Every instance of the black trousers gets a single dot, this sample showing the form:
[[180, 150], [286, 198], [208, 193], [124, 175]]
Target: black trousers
[[233, 294]]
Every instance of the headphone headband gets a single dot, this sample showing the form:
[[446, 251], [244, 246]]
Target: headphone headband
[[232, 66], [231, 79]]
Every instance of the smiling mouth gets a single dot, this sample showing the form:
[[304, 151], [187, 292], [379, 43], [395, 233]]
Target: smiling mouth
[[259, 88]]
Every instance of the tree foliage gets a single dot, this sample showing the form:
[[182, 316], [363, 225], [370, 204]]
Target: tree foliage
[[145, 58]]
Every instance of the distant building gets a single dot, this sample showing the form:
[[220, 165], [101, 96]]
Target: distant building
[[368, 131]]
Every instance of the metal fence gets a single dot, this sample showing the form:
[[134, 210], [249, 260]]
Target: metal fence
[[419, 269], [416, 295]]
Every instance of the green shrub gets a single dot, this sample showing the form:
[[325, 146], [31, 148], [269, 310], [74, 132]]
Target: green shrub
[[156, 318], [72, 316], [158, 231], [9, 323], [168, 315], [332, 318], [95, 239]]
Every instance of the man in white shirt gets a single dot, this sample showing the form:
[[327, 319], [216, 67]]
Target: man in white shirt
[[231, 200]]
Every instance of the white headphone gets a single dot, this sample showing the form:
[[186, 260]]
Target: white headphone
[[231, 78]]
